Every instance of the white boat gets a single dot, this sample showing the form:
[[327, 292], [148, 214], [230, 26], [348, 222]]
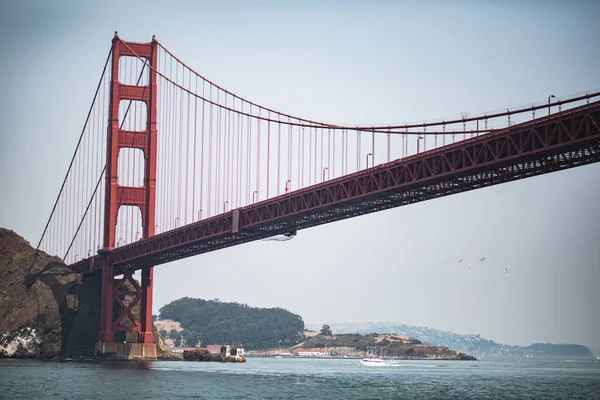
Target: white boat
[[374, 362]]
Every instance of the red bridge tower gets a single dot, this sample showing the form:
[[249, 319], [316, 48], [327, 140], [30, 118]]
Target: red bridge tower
[[118, 300]]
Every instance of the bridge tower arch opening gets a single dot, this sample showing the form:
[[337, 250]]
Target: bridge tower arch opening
[[120, 296]]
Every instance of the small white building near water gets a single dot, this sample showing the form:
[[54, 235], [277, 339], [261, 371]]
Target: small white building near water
[[233, 352], [226, 351]]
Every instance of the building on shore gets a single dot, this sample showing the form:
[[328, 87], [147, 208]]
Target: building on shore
[[233, 352], [315, 352]]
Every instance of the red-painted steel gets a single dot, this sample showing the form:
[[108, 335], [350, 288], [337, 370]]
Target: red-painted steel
[[563, 140], [143, 197]]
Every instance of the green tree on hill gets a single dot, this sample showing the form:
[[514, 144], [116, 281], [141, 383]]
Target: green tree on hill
[[326, 330], [176, 336]]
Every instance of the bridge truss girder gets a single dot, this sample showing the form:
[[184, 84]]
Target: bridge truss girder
[[568, 139]]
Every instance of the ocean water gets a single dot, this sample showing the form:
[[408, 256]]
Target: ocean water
[[268, 378]]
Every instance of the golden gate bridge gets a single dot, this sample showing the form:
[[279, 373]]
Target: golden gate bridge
[[170, 165]]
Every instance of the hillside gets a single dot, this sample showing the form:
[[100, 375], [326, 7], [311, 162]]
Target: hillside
[[358, 341], [384, 345], [470, 344], [215, 322]]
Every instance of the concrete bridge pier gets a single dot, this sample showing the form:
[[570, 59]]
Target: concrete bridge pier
[[126, 314]]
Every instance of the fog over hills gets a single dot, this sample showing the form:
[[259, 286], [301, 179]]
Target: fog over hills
[[471, 344]]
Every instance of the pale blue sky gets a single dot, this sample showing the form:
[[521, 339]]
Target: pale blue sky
[[357, 63]]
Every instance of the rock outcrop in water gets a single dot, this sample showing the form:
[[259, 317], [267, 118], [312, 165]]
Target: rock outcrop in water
[[205, 355], [46, 310]]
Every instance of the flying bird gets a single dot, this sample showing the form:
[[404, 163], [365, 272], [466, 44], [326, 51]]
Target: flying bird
[[460, 260], [469, 265], [482, 259], [506, 271]]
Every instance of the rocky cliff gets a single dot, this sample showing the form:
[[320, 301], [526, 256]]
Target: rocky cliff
[[46, 310]]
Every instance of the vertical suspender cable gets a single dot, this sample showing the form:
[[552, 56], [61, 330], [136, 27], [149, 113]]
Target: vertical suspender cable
[[202, 157], [225, 135], [322, 148], [315, 159], [333, 165], [210, 152], [258, 156], [187, 157], [172, 141], [238, 169], [180, 153], [279, 156], [289, 157], [219, 132], [329, 149], [311, 156], [299, 185], [346, 151], [195, 151], [268, 153], [230, 154]]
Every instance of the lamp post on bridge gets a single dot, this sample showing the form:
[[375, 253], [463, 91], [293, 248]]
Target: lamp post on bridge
[[254, 196], [418, 142], [225, 203], [550, 97], [325, 169], [199, 214], [177, 222], [288, 188], [367, 159]]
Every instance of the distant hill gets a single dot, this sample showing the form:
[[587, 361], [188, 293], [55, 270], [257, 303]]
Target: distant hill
[[383, 345], [216, 322], [595, 350], [470, 344]]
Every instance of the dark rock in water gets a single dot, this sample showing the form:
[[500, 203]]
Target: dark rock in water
[[46, 310], [200, 355], [463, 356], [169, 356]]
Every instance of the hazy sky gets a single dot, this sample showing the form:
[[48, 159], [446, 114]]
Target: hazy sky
[[344, 62]]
